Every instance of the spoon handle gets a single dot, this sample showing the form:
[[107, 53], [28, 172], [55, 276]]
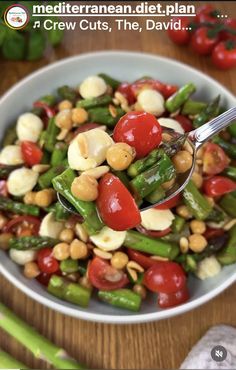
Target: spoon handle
[[211, 128]]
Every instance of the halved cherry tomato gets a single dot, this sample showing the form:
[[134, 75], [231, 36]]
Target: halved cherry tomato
[[103, 276], [24, 222], [3, 188], [46, 262], [185, 122], [207, 13], [173, 299], [180, 36], [141, 258], [212, 233], [218, 185], [165, 89], [116, 205], [173, 202], [214, 159], [224, 54], [31, 153], [203, 41], [153, 233], [133, 127], [166, 277], [50, 112], [126, 90]]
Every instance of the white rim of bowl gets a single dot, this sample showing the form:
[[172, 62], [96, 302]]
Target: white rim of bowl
[[96, 317]]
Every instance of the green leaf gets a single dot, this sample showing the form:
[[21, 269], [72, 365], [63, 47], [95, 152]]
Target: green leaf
[[36, 45], [14, 46]]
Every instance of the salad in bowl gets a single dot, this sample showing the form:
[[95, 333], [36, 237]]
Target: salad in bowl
[[111, 148]]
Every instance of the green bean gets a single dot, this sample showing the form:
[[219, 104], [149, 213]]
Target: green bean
[[229, 148], [32, 242], [228, 255], [176, 100], [103, 116], [192, 107], [94, 102], [122, 298], [10, 205], [210, 111], [110, 80]]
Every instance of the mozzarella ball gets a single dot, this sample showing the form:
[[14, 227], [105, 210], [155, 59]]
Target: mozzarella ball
[[92, 87], [171, 123], [208, 267], [151, 101], [29, 127], [11, 155], [50, 227], [21, 181], [155, 219], [22, 257]]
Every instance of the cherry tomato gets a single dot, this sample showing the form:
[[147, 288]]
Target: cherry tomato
[[46, 262], [173, 299], [3, 188], [153, 233], [133, 127], [202, 41], [166, 277], [182, 36], [116, 205], [173, 202], [212, 233], [85, 127], [165, 89], [214, 159], [185, 122], [224, 54], [50, 112], [44, 278], [31, 153], [218, 185], [24, 223], [141, 258], [126, 90], [229, 23], [207, 13], [103, 276]]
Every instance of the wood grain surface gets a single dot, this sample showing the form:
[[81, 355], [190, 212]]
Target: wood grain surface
[[156, 345]]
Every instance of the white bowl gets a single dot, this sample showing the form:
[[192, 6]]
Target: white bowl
[[124, 66]]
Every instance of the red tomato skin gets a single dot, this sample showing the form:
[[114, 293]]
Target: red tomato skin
[[46, 262], [140, 130], [19, 220], [50, 112], [31, 153], [173, 202], [165, 89], [141, 258], [153, 233], [205, 13], [85, 127], [99, 269], [173, 299], [166, 277], [211, 233], [185, 122], [126, 90], [218, 185], [182, 36], [214, 159], [223, 57], [3, 188], [229, 23], [116, 205], [201, 43]]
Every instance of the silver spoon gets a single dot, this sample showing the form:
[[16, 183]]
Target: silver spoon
[[196, 139]]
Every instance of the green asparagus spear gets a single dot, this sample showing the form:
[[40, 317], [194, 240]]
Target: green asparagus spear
[[228, 255], [69, 266], [66, 92], [71, 292], [6, 170], [229, 148], [122, 298], [146, 244], [216, 215], [8, 362], [60, 213], [174, 237], [46, 157], [59, 153], [196, 202], [41, 347], [62, 184], [123, 177], [228, 204], [210, 111], [102, 115], [230, 172], [156, 195], [94, 102], [9, 205], [192, 107], [10, 136], [45, 180], [32, 242], [232, 129], [151, 179], [50, 136], [48, 100], [110, 80], [176, 100], [178, 224]]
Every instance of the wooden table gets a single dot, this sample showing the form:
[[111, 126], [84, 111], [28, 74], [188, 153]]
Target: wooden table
[[157, 345]]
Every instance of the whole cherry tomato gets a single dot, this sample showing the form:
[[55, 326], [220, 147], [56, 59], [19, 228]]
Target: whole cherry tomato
[[203, 41], [218, 185], [207, 13], [185, 122], [173, 202], [103, 276], [214, 159], [140, 130], [173, 299], [165, 277], [126, 90], [141, 258], [224, 54], [153, 233], [31, 153], [230, 23], [116, 205], [180, 36], [46, 262]]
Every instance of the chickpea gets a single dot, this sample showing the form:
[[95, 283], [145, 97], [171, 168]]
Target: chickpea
[[78, 250], [182, 161], [61, 251], [44, 198], [119, 260], [29, 197], [79, 116], [84, 281], [31, 270], [183, 212], [85, 187], [65, 104], [3, 221], [4, 240], [119, 156], [168, 184], [197, 227], [67, 235], [210, 201], [197, 243], [63, 119], [197, 179], [140, 290]]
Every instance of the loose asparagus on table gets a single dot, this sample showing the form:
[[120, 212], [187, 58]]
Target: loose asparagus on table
[[228, 254], [210, 111], [59, 154], [196, 202], [110, 80], [45, 180], [122, 298], [193, 107], [66, 92], [41, 347], [7, 204], [176, 100], [8, 362], [103, 115], [32, 242], [94, 102], [5, 171]]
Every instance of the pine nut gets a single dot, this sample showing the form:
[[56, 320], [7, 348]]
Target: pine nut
[[97, 172], [132, 273], [159, 258], [135, 266], [40, 168], [112, 111], [102, 254], [62, 134], [229, 224], [81, 233], [183, 243]]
